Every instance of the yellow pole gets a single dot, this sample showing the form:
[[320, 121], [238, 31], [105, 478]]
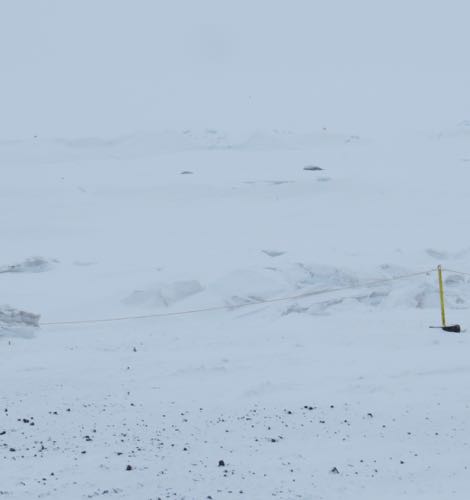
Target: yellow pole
[[441, 295]]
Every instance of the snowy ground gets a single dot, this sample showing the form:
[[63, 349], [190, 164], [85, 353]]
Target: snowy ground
[[282, 393], [159, 157]]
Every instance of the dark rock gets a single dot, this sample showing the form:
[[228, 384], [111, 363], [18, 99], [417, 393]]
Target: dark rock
[[334, 470], [129, 467], [221, 463], [313, 168]]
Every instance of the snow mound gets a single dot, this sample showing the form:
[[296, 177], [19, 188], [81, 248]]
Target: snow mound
[[327, 289], [10, 317], [164, 295], [31, 265]]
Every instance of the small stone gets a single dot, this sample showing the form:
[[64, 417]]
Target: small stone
[[129, 467], [313, 168], [334, 470], [221, 463]]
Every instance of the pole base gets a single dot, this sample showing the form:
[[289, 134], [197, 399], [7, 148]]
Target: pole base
[[450, 328]]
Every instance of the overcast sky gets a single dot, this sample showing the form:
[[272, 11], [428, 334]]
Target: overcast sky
[[91, 67]]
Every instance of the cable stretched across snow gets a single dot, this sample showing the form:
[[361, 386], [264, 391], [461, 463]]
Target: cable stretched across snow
[[456, 272], [311, 293]]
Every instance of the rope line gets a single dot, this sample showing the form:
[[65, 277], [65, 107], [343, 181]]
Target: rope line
[[311, 293], [456, 272]]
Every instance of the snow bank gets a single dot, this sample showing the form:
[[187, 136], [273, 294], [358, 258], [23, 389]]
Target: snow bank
[[164, 295], [31, 265], [15, 319]]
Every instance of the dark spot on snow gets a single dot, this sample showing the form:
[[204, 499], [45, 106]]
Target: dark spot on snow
[[313, 168], [221, 463]]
